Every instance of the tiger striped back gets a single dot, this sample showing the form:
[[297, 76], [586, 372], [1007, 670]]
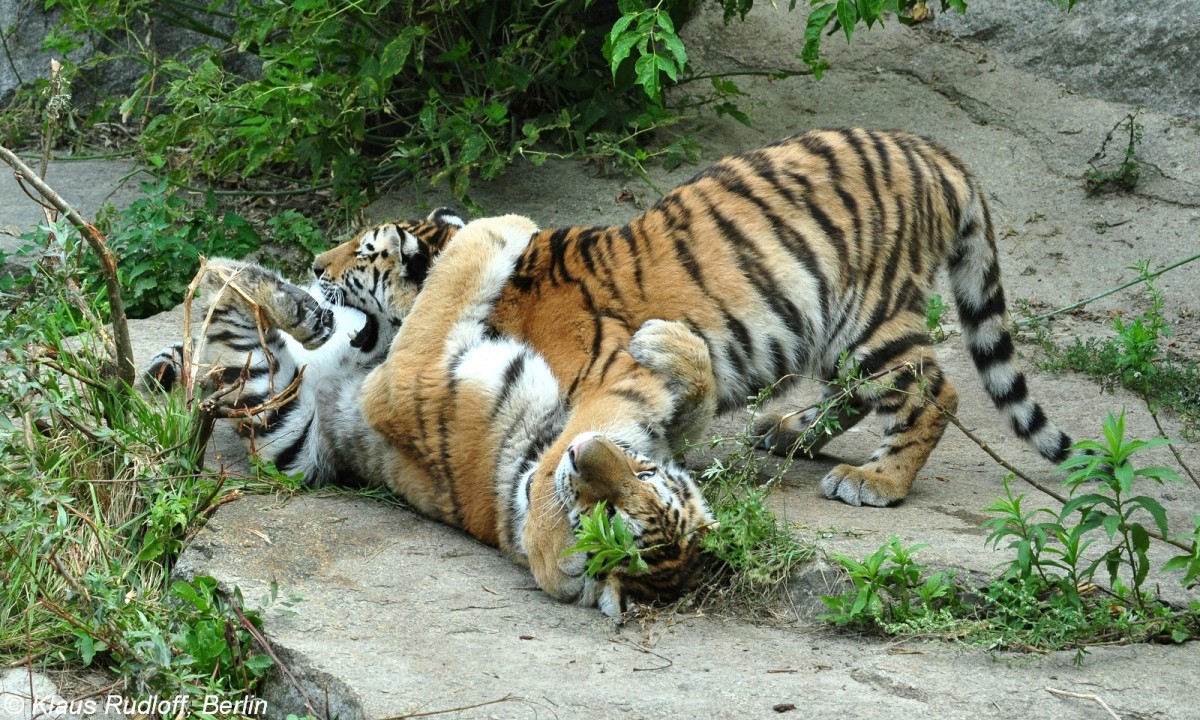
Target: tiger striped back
[[784, 259]]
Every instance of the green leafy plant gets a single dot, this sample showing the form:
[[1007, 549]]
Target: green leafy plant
[[292, 228], [1134, 358], [934, 309], [608, 543], [1049, 595], [889, 585], [651, 33], [755, 551], [100, 487], [437, 90], [1117, 510], [158, 241]]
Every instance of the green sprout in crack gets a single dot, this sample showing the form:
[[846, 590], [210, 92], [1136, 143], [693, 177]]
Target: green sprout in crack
[[608, 542]]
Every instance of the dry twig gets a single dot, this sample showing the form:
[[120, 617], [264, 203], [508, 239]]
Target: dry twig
[[108, 264], [1085, 696]]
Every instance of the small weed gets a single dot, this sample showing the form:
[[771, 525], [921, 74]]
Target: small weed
[[755, 553], [934, 309], [1049, 596], [1124, 175], [890, 586], [1134, 359], [608, 543]]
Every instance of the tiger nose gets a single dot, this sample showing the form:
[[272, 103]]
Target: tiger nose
[[318, 269]]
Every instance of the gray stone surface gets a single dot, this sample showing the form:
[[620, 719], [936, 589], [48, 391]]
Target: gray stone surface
[[1137, 52], [86, 185], [23, 26], [28, 695], [399, 614]]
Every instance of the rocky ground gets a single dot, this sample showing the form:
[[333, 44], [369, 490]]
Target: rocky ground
[[401, 615]]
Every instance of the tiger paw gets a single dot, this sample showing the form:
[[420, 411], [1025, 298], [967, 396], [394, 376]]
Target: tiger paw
[[859, 486], [300, 315], [773, 433], [671, 349], [164, 369]]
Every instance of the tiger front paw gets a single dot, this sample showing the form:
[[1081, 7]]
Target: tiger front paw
[[302, 316]]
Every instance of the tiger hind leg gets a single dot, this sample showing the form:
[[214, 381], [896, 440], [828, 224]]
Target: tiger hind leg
[[805, 432], [913, 399]]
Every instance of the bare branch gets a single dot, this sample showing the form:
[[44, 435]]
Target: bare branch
[[108, 264]]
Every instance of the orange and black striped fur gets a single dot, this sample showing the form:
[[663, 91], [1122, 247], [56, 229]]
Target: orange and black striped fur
[[475, 432], [476, 411], [782, 259]]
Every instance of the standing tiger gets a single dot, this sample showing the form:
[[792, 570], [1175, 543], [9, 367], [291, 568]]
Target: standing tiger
[[789, 260], [480, 412]]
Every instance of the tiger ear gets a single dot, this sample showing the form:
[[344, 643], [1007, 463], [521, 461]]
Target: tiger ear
[[445, 216]]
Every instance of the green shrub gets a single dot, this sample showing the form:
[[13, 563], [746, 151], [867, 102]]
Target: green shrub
[[158, 241], [100, 488], [358, 94], [1050, 594]]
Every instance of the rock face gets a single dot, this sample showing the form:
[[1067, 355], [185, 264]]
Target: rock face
[[24, 25], [1141, 52]]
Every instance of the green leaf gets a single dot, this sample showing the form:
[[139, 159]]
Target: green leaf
[[1086, 502], [1140, 538], [152, 547], [86, 645], [621, 47], [667, 65], [1123, 474], [1155, 509], [646, 72], [620, 26], [395, 53], [1159, 474], [868, 10], [847, 14], [1111, 524], [817, 20], [675, 46]]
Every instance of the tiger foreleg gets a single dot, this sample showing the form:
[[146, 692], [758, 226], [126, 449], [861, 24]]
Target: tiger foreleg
[[249, 297], [680, 358]]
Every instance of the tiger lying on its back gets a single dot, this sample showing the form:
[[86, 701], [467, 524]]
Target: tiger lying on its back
[[480, 410], [781, 259], [301, 331]]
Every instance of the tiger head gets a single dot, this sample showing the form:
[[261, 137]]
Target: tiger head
[[659, 503], [381, 270]]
